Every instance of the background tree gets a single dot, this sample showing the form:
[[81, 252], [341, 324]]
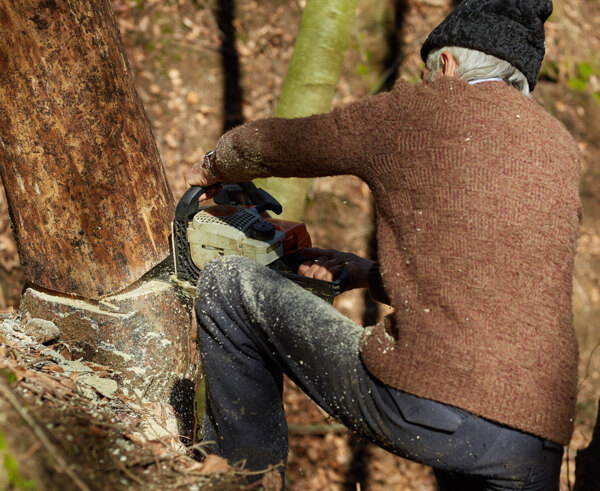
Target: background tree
[[310, 82]]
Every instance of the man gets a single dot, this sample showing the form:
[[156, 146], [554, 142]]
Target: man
[[476, 194]]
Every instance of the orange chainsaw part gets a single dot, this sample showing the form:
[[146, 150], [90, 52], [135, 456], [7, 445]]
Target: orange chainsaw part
[[222, 211], [296, 235]]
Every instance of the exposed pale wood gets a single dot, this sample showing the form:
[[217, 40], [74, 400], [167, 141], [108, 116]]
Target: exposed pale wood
[[87, 192], [144, 334]]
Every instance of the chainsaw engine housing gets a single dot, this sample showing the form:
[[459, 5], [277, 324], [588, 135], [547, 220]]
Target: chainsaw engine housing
[[224, 230]]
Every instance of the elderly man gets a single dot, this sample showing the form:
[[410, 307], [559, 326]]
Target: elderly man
[[476, 194]]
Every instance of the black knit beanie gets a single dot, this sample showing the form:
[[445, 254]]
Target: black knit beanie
[[512, 30]]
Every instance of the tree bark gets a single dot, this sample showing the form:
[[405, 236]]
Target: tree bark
[[87, 192], [310, 82], [316, 63]]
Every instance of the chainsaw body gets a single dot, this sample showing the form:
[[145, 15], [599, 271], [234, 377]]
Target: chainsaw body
[[238, 224], [224, 230]]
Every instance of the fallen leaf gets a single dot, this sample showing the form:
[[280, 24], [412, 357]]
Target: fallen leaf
[[192, 97], [271, 481], [214, 464]]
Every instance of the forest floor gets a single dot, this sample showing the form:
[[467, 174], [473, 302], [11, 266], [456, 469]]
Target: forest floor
[[173, 50]]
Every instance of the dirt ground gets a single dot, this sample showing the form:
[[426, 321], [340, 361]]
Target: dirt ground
[[173, 51]]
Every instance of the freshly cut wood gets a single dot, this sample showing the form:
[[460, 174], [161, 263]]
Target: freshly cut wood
[[87, 192], [143, 334]]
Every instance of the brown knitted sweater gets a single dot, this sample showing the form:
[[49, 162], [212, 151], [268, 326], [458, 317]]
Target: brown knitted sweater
[[476, 192]]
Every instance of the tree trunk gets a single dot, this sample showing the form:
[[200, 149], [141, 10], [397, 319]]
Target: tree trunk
[[87, 193], [310, 82]]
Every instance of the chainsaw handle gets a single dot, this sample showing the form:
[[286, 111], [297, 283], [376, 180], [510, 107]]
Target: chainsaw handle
[[287, 266], [188, 204], [260, 198], [339, 284]]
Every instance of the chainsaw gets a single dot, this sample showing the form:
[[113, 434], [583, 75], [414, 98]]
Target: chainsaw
[[239, 224]]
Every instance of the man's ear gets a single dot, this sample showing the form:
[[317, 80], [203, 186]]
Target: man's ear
[[449, 64]]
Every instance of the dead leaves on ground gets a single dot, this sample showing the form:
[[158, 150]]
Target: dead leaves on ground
[[107, 438]]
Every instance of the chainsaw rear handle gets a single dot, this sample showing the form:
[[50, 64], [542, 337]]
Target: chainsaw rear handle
[[327, 290], [339, 284], [260, 198]]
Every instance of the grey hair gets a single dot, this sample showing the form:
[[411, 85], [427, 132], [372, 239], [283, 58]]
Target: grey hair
[[475, 65]]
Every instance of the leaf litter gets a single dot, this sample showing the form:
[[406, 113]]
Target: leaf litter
[[95, 436]]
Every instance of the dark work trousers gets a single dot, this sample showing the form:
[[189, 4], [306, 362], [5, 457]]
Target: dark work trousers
[[255, 325]]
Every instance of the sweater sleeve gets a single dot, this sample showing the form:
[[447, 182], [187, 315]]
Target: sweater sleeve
[[334, 143], [299, 147]]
